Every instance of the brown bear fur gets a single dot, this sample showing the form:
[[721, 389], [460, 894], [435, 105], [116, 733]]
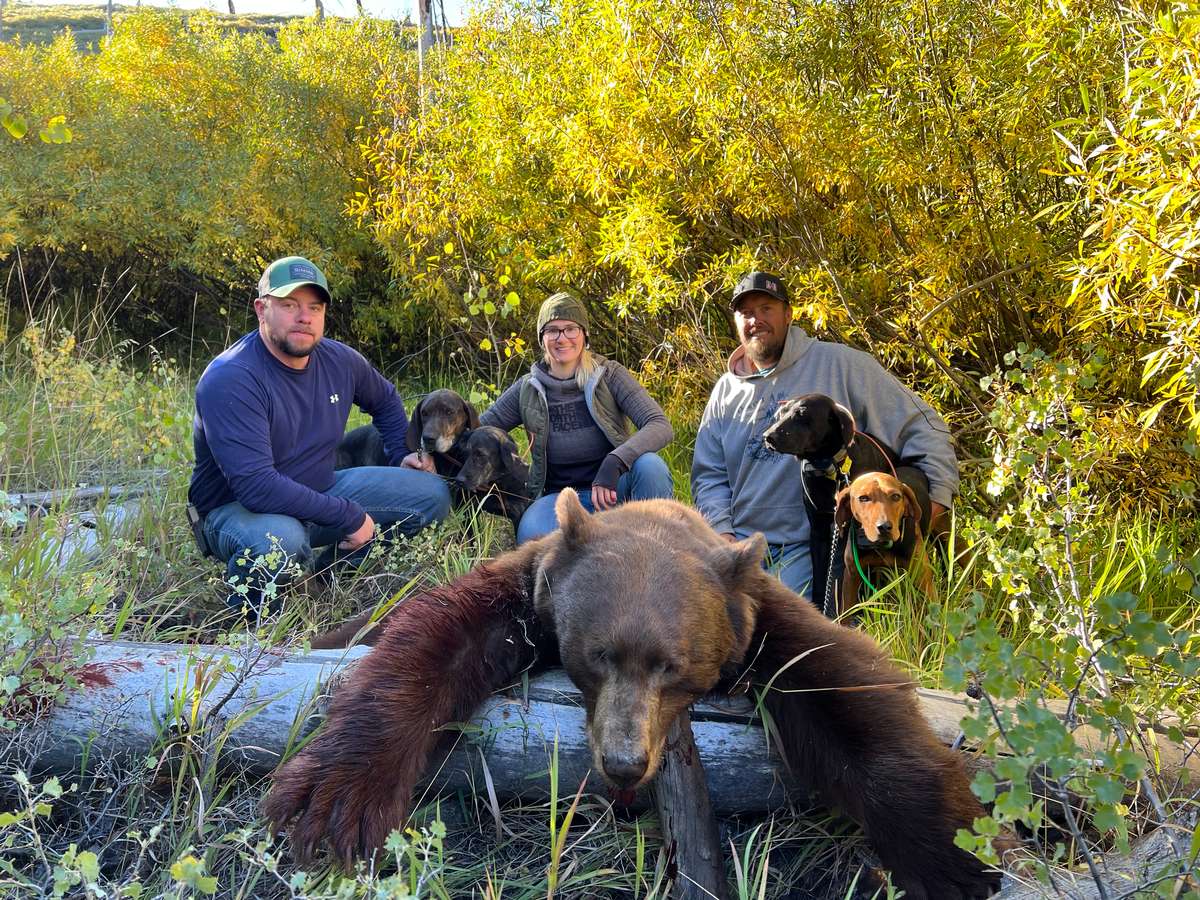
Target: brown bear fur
[[649, 610]]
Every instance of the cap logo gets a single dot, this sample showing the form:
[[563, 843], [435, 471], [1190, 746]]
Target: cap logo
[[772, 286], [298, 271]]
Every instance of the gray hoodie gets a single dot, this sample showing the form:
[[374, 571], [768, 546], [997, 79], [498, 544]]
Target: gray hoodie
[[741, 486]]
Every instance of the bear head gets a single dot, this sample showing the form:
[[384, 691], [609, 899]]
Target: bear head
[[650, 609]]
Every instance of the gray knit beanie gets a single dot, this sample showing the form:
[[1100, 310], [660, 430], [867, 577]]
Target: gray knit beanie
[[561, 306]]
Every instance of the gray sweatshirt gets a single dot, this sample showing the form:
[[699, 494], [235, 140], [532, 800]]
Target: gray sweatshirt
[[741, 486]]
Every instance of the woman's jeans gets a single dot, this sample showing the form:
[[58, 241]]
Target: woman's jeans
[[648, 479]]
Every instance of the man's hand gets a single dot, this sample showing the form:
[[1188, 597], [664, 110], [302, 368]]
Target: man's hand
[[603, 497], [417, 460], [362, 535]]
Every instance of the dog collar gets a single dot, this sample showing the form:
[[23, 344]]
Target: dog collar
[[831, 467]]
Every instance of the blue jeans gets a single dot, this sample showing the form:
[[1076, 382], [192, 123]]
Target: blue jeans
[[648, 479], [792, 564], [403, 500]]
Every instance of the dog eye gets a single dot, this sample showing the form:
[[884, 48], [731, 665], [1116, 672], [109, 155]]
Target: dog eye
[[600, 655], [895, 497], [865, 498], [665, 667]]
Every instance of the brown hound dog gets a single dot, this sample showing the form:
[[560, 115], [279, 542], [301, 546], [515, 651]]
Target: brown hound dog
[[884, 520]]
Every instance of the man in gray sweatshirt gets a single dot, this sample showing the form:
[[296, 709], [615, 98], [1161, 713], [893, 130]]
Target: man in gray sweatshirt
[[739, 484]]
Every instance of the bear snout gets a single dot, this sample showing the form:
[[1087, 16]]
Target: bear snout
[[625, 767], [626, 742]]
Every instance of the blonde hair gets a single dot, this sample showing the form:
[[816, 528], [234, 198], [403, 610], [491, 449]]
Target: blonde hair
[[583, 369]]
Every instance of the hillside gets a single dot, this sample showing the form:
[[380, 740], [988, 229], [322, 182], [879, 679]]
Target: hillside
[[41, 24]]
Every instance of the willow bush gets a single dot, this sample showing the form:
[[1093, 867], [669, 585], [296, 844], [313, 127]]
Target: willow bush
[[198, 154], [913, 170]]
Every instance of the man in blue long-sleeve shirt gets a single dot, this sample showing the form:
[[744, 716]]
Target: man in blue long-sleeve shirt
[[270, 412]]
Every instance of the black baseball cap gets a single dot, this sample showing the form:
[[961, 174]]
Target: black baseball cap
[[761, 283]]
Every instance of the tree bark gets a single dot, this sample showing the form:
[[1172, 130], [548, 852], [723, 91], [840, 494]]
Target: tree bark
[[695, 863]]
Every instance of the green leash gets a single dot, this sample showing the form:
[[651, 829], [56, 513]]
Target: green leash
[[858, 565]]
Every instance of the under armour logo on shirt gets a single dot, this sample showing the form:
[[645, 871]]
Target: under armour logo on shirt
[[333, 398]]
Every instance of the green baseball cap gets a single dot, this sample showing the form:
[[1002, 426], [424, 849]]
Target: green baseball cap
[[561, 306], [285, 275]]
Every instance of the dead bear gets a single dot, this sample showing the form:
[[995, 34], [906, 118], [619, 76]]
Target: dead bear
[[649, 610]]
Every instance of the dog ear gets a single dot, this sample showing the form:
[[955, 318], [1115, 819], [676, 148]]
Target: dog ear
[[577, 526], [841, 513], [844, 419], [510, 458], [412, 437], [472, 415], [910, 502]]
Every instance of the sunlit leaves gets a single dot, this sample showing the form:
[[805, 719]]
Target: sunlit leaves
[[56, 131]]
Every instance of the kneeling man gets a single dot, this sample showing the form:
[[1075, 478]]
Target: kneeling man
[[270, 412]]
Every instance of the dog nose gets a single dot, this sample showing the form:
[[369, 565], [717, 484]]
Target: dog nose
[[625, 770], [885, 527]]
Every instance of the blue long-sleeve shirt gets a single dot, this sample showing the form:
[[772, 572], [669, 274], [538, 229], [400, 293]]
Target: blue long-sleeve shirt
[[265, 434]]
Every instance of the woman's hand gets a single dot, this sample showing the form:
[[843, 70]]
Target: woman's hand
[[603, 497], [604, 487]]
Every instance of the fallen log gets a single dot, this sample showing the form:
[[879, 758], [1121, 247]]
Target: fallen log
[[1150, 863], [134, 697], [132, 694], [137, 700]]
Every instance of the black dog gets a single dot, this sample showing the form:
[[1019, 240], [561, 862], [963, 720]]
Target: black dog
[[492, 469], [361, 447], [439, 422], [823, 435]]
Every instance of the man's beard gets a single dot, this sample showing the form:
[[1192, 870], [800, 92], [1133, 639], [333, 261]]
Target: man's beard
[[764, 350], [284, 345]]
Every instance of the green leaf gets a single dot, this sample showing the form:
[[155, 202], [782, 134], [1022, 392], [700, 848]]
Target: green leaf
[[56, 131], [14, 125], [1106, 818], [88, 865]]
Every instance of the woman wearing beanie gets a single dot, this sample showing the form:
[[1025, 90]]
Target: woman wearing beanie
[[576, 407]]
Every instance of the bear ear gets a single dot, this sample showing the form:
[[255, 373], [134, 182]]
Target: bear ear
[[733, 562], [573, 519]]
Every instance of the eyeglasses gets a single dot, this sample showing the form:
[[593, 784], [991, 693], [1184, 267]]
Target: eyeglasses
[[570, 332]]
